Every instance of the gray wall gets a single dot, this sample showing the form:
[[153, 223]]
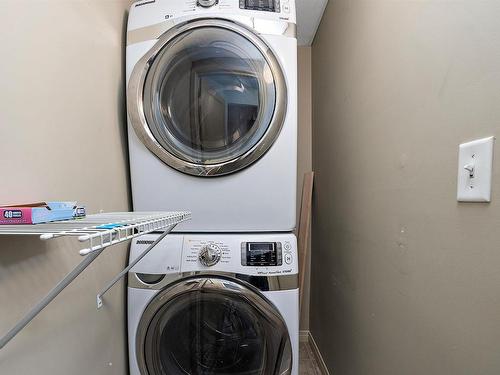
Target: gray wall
[[405, 280], [62, 138], [304, 155]]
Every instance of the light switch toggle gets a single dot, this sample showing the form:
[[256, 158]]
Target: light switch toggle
[[470, 168]]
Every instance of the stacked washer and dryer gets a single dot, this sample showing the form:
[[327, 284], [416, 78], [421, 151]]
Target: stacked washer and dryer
[[212, 110]]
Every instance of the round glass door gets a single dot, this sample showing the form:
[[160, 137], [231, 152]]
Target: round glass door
[[212, 326], [209, 99]]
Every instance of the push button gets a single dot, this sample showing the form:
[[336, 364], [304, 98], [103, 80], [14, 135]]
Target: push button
[[286, 8], [287, 246], [288, 258]]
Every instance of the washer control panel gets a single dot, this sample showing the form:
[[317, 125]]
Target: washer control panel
[[252, 254], [246, 254]]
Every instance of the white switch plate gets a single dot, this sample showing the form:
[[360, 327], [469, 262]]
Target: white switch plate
[[479, 155]]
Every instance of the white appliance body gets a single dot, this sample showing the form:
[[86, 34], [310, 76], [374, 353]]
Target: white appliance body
[[176, 259], [259, 197]]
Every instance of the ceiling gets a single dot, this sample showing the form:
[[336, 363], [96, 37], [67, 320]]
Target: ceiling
[[309, 13]]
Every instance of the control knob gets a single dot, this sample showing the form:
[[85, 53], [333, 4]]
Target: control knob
[[210, 255], [207, 3]]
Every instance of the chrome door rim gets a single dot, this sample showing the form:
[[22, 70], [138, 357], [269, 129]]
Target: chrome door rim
[[137, 115], [183, 286]]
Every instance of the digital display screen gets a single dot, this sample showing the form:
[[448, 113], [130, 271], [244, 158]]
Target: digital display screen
[[262, 254], [264, 5]]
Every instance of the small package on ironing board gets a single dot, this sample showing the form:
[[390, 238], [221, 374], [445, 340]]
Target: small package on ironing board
[[36, 213]]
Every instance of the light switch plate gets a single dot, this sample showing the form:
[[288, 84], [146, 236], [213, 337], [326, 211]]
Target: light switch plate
[[475, 166]]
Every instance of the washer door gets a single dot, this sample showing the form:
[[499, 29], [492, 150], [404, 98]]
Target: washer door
[[209, 98], [212, 326]]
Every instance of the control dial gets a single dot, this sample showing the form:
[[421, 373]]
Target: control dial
[[210, 255], [207, 3]]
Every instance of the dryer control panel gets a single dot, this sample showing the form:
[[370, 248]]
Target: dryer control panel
[[145, 13]]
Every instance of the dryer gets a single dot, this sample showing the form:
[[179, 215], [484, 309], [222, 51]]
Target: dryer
[[212, 112], [209, 304]]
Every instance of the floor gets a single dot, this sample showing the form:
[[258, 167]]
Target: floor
[[307, 364]]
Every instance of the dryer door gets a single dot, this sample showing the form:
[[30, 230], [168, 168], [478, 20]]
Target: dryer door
[[209, 99], [212, 326]]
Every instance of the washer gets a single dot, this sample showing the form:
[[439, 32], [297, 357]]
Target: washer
[[212, 112], [207, 304]]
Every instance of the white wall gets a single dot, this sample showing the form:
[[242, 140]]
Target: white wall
[[62, 125]]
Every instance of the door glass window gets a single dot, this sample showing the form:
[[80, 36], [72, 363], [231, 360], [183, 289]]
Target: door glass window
[[209, 96], [208, 332]]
